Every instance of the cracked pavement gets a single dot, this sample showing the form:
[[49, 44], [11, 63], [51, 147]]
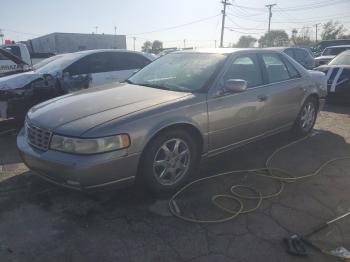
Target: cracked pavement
[[41, 222]]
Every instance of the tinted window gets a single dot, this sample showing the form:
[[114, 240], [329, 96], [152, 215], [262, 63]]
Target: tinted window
[[300, 54], [276, 69], [94, 63], [15, 50], [289, 52], [247, 68], [334, 50], [127, 61]]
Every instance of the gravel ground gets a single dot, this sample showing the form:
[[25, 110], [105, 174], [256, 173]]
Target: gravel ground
[[40, 222]]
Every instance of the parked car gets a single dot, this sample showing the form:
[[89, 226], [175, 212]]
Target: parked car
[[11, 64], [18, 50], [329, 53], [326, 43], [62, 74], [338, 77], [157, 126], [301, 55]]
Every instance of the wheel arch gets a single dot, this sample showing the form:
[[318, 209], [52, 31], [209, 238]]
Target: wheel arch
[[193, 130]]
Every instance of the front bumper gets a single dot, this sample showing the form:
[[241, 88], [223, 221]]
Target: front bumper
[[82, 172]]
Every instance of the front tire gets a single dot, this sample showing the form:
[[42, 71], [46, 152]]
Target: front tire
[[169, 161], [306, 118]]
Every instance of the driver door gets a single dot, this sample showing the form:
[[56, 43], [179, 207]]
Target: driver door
[[234, 118]]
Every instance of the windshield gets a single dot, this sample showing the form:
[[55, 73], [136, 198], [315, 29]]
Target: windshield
[[334, 50], [342, 59], [46, 61], [56, 63], [15, 50], [179, 71]]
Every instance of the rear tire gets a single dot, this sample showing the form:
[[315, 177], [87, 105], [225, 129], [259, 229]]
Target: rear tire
[[169, 161], [306, 118]]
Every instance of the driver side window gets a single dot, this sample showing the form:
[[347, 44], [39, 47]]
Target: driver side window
[[245, 67], [94, 63]]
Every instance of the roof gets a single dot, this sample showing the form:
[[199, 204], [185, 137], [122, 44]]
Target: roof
[[221, 50], [340, 46], [92, 51]]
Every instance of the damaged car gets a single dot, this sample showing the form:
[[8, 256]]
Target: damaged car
[[11, 64], [338, 77], [65, 73]]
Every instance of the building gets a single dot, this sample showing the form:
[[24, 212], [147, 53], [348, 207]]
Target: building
[[72, 42]]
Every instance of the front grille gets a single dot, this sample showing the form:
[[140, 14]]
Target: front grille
[[38, 137]]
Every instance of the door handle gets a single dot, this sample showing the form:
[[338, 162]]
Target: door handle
[[262, 98]]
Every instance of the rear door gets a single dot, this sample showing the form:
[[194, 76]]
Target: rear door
[[285, 91], [235, 118]]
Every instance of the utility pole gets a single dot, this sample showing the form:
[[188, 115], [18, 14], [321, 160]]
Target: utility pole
[[316, 25], [134, 38], [115, 37], [184, 43], [2, 37], [270, 15], [225, 3], [96, 28], [269, 28]]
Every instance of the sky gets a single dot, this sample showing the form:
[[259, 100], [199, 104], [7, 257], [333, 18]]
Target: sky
[[189, 23]]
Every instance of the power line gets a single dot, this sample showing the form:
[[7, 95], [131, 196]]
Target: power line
[[175, 27], [315, 5]]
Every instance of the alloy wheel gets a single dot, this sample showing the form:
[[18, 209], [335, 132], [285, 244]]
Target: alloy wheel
[[171, 161], [308, 116]]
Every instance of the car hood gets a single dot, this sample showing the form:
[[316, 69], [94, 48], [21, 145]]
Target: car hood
[[18, 80], [326, 57], [75, 113]]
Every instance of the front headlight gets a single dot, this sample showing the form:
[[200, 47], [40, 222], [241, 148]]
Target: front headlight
[[89, 145]]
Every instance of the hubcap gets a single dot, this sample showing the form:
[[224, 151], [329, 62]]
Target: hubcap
[[308, 116], [171, 162]]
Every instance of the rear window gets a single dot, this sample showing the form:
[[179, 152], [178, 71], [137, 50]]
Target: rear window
[[300, 54], [15, 50], [342, 59], [334, 50]]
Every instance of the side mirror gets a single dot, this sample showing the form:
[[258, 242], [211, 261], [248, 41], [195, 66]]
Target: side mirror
[[235, 85]]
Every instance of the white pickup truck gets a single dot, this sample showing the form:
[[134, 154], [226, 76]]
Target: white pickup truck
[[19, 50]]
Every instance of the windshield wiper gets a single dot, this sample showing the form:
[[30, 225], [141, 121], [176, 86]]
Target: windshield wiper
[[128, 81], [154, 86]]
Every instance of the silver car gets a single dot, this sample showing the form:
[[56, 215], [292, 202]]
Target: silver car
[[301, 55], [156, 127]]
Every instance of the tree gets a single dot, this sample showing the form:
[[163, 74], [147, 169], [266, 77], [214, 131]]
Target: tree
[[157, 47], [301, 38], [274, 38], [147, 47], [332, 30], [246, 41]]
